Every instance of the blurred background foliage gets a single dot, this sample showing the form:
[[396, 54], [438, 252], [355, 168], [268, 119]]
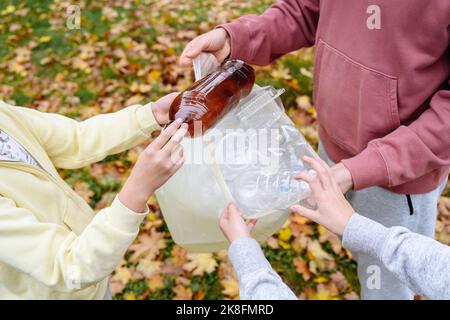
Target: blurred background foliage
[[124, 53]]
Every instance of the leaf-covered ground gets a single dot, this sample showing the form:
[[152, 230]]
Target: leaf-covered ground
[[124, 53]]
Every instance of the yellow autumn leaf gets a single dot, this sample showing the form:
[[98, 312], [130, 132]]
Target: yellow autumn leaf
[[318, 255], [133, 155], [84, 191], [321, 294], [122, 274], [282, 73], [134, 87], [148, 267], [45, 39], [182, 292], [156, 283], [285, 234], [170, 51], [109, 13], [312, 111], [321, 229], [294, 85], [153, 76], [284, 245], [82, 65], [144, 88], [302, 268], [22, 55], [9, 9], [129, 296], [320, 280], [87, 52], [148, 245], [200, 263], [140, 88], [230, 287], [306, 72], [151, 217], [178, 255], [45, 60], [303, 102], [17, 68]]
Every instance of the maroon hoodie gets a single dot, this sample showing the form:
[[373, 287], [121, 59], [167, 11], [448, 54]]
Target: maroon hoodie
[[381, 81]]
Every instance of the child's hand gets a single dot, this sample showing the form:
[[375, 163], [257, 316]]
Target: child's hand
[[233, 225], [161, 108], [333, 210], [157, 163]]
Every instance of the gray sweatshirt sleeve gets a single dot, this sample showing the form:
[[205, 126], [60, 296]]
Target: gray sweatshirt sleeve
[[257, 279], [421, 263]]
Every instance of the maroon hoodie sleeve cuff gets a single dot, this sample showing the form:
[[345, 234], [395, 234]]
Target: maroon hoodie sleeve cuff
[[368, 169], [239, 40]]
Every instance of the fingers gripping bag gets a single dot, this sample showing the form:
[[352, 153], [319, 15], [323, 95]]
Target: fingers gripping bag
[[246, 150]]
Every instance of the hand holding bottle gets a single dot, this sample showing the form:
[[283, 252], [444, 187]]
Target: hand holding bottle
[[156, 164], [333, 210], [160, 108], [233, 225], [216, 42]]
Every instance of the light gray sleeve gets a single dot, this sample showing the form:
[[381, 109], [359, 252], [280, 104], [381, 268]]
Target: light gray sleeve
[[257, 279], [421, 263]]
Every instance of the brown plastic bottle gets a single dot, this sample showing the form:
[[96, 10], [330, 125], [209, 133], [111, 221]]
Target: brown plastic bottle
[[210, 98]]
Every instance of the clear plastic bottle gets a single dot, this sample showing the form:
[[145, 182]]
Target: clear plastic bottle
[[210, 98], [257, 192]]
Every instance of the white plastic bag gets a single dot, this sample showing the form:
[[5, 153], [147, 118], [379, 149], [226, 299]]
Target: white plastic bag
[[248, 157], [204, 64]]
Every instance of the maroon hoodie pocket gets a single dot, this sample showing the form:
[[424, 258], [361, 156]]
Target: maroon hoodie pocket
[[355, 104]]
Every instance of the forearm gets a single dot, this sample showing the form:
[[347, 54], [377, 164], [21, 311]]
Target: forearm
[[421, 263], [72, 144], [59, 258], [407, 153], [285, 27], [257, 279], [98, 250]]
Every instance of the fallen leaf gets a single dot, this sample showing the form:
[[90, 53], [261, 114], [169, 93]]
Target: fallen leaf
[[148, 267], [148, 245], [230, 287], [200, 263], [302, 267], [182, 292], [83, 190], [156, 282], [122, 275], [328, 236], [322, 259], [285, 234]]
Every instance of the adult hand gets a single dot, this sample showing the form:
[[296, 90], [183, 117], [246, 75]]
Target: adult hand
[[156, 164], [333, 210], [233, 225], [216, 42], [161, 108]]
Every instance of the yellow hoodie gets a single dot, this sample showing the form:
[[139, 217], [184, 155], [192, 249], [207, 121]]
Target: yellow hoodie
[[52, 246]]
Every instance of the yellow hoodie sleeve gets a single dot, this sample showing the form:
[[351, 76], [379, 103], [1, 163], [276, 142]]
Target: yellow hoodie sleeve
[[71, 144], [57, 257]]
